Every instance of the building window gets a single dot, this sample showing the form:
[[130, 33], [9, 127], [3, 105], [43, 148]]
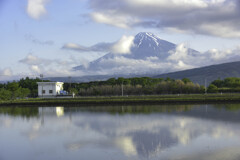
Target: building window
[[50, 91], [43, 91]]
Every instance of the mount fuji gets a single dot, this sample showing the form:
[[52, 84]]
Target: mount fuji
[[148, 55]]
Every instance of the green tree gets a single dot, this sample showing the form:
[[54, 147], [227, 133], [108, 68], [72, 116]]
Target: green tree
[[5, 94], [73, 90], [31, 84], [186, 80], [12, 86], [218, 83], [22, 92], [111, 81], [212, 89]]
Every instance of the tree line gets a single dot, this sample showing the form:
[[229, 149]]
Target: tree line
[[25, 87], [134, 86], [227, 85]]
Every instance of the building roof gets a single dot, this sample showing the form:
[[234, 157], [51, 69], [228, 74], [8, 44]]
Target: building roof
[[49, 83]]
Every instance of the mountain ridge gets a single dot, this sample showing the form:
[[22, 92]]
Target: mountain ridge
[[197, 75], [207, 73]]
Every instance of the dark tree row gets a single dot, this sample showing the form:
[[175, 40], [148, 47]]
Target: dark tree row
[[19, 89], [231, 84], [134, 86]]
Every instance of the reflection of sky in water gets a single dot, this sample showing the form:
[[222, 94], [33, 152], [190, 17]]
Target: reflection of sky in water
[[56, 134]]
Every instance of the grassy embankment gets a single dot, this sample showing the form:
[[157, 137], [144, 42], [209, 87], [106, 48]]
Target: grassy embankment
[[157, 99]]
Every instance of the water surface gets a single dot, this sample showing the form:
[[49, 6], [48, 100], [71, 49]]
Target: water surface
[[172, 132]]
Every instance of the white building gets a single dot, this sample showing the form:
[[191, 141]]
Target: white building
[[49, 89]]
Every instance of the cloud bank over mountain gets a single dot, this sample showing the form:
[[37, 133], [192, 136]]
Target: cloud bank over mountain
[[122, 46], [145, 53], [151, 55]]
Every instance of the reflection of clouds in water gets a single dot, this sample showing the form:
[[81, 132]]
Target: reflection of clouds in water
[[74, 145], [34, 131], [124, 143], [6, 122], [232, 153], [219, 131], [142, 135], [127, 146], [152, 134], [150, 143], [130, 135], [223, 154]]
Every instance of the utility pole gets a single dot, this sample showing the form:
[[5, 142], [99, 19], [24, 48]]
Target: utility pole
[[122, 89], [41, 76], [205, 85], [70, 80]]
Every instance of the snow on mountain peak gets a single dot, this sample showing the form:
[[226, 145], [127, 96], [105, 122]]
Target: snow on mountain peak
[[146, 37]]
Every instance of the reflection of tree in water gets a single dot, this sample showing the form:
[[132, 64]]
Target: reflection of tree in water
[[25, 112], [148, 144], [134, 109], [228, 107]]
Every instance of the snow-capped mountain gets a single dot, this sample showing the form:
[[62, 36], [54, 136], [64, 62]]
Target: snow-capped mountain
[[148, 45], [148, 54]]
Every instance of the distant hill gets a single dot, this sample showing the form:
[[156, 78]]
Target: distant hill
[[197, 75], [79, 79], [210, 73], [93, 78]]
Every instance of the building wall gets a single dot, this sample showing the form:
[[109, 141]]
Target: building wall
[[59, 87], [50, 88]]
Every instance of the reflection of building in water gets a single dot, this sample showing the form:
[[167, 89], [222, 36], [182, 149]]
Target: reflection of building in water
[[45, 111], [60, 111]]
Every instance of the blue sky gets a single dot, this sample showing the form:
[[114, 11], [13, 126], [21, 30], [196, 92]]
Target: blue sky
[[34, 31]]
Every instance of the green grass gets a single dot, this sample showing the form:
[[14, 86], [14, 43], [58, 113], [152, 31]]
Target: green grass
[[156, 99]]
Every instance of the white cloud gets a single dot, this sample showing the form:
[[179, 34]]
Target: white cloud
[[208, 17], [99, 47], [36, 8], [179, 59], [221, 56], [123, 65], [220, 29], [183, 4], [35, 68], [123, 46], [74, 46], [122, 21], [49, 67], [180, 53], [34, 60], [6, 72], [121, 60]]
